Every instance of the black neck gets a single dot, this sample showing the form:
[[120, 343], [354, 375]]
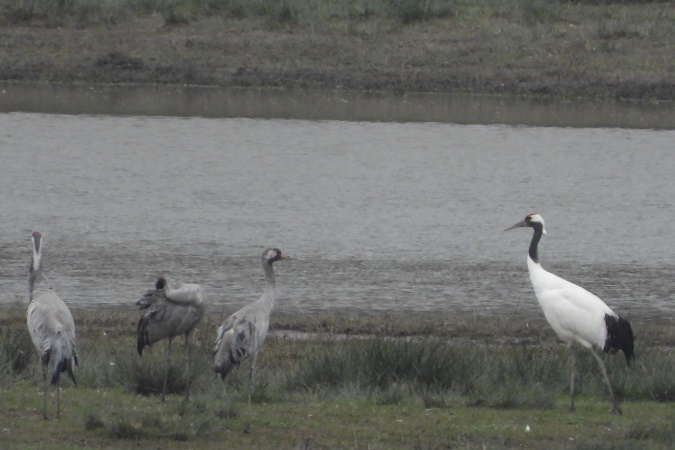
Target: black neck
[[538, 228]]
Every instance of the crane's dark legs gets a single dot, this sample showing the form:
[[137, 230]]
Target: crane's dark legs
[[573, 369], [615, 404], [187, 366], [58, 399], [44, 393], [250, 391], [166, 368]]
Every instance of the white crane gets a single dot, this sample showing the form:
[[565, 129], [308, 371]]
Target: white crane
[[50, 325], [241, 336], [577, 316], [170, 312]]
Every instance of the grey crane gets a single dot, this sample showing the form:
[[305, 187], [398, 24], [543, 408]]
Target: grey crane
[[170, 312], [241, 335], [50, 325]]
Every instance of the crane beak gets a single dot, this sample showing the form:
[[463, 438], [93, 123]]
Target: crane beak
[[522, 223]]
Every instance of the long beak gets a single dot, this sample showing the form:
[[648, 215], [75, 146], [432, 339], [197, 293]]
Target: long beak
[[284, 256], [522, 223]]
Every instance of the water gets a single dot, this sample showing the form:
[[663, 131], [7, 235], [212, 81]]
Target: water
[[382, 216], [186, 101]]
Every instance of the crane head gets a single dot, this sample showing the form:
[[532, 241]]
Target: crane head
[[271, 255], [161, 282], [531, 220]]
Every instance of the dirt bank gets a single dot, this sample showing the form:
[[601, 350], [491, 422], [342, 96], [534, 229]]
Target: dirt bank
[[585, 59]]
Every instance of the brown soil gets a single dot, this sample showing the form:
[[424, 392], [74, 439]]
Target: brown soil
[[443, 56]]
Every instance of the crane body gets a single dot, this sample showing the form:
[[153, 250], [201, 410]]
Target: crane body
[[169, 312], [50, 325], [242, 335]]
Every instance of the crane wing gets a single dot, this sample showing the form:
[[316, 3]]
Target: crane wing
[[239, 337], [576, 315], [164, 318], [186, 294]]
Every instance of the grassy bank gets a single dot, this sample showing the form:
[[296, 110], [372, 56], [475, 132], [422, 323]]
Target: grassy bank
[[523, 47], [442, 387]]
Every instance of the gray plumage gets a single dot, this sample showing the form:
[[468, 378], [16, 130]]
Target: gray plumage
[[241, 336], [169, 312], [50, 325]]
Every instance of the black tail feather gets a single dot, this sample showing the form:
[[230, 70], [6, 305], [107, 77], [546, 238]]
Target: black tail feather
[[139, 345], [619, 337], [142, 339], [63, 366]]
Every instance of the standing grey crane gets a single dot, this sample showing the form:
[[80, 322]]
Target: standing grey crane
[[577, 316], [242, 335], [170, 312], [50, 325]]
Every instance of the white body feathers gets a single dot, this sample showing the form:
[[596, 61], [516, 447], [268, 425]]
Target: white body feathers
[[576, 315]]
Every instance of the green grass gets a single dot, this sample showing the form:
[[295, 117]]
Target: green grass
[[376, 391], [123, 421]]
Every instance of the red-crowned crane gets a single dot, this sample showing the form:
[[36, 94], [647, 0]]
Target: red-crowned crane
[[577, 316]]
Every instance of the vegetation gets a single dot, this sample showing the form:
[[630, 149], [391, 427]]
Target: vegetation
[[326, 390], [296, 13], [598, 48]]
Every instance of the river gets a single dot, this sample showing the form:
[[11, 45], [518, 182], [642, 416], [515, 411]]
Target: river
[[387, 203]]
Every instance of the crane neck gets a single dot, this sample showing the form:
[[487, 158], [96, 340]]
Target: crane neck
[[534, 244], [37, 282], [270, 282]]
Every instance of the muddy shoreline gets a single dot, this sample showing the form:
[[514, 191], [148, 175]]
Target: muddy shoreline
[[510, 331]]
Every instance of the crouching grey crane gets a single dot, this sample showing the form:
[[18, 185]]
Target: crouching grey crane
[[577, 316], [241, 336], [170, 312], [50, 325]]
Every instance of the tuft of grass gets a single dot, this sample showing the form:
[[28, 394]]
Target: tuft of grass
[[663, 431], [125, 428], [16, 351], [92, 421], [651, 378], [389, 370], [540, 11], [227, 411], [145, 376], [410, 11]]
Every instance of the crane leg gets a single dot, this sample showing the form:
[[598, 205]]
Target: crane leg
[[615, 403], [166, 369], [44, 392], [573, 370], [58, 399], [187, 366], [250, 391]]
